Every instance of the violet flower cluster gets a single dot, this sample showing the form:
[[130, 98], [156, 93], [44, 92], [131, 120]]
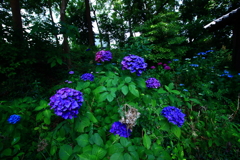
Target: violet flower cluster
[[174, 115], [134, 64], [14, 119], [87, 76], [103, 56], [152, 83], [120, 129], [66, 102]]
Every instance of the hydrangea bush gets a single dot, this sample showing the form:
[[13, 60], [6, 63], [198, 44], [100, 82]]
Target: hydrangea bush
[[66, 102], [134, 64]]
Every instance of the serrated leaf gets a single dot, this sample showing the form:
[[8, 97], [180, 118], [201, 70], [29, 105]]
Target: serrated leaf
[[97, 139], [103, 96], [99, 152], [91, 117], [127, 156], [79, 126], [15, 140], [65, 152], [128, 79], [164, 125], [133, 90], [176, 130], [124, 142], [110, 98], [161, 91], [83, 140], [100, 89], [195, 100], [117, 156], [146, 141], [85, 85], [124, 90], [79, 86], [117, 147]]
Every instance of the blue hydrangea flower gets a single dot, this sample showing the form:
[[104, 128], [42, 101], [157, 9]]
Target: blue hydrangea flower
[[120, 129], [185, 90], [225, 71], [103, 56], [69, 81], [14, 119], [174, 115], [209, 51], [181, 84], [230, 76], [66, 102], [88, 49], [152, 83], [239, 74], [194, 65], [175, 59], [71, 72], [87, 76], [201, 53], [134, 64], [203, 57], [195, 56]]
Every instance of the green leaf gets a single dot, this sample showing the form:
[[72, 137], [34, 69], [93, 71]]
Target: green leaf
[[53, 150], [103, 96], [83, 140], [124, 142], [110, 98], [7, 152], [128, 79], [97, 139], [65, 152], [175, 92], [164, 125], [124, 90], [161, 91], [146, 141], [127, 156], [195, 100], [167, 88], [15, 140], [117, 147], [147, 99], [79, 86], [85, 85], [133, 90], [100, 89], [99, 152], [91, 117], [117, 156], [79, 126], [176, 130], [171, 86], [59, 61]]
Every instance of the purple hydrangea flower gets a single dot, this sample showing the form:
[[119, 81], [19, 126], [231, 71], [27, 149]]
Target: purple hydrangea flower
[[167, 68], [174, 115], [134, 64], [14, 119], [120, 129], [153, 67], [102, 56], [71, 72], [87, 76], [152, 83], [66, 102]]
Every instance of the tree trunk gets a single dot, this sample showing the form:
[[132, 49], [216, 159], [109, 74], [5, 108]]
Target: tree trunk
[[17, 22], [100, 33], [89, 23], [236, 46], [66, 48]]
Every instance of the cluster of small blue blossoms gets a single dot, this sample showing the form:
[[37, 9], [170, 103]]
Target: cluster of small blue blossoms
[[174, 115], [175, 59], [120, 129], [87, 76], [194, 65], [66, 102], [13, 119], [185, 90], [205, 53], [71, 72], [134, 64], [152, 83], [103, 56], [67, 81], [226, 73], [181, 84]]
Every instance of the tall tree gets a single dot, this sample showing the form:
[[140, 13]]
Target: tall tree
[[89, 23], [17, 21]]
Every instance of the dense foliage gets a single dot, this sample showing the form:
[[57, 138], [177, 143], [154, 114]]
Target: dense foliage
[[169, 93]]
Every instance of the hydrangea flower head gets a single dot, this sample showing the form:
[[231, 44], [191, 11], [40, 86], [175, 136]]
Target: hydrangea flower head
[[201, 53], [71, 72], [160, 63], [174, 115], [87, 76], [66, 102], [120, 129], [153, 67], [175, 59], [152, 83], [14, 119], [181, 84], [134, 64], [167, 68], [102, 56], [185, 90]]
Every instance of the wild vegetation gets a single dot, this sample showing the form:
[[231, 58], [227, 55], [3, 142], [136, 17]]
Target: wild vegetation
[[169, 93]]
